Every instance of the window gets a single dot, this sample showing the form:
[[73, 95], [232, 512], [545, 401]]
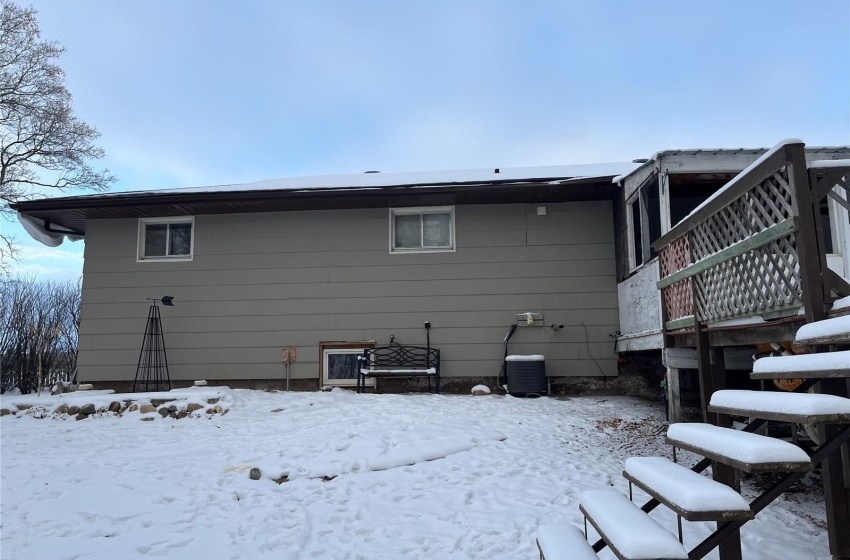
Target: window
[[166, 238], [422, 229], [644, 221], [340, 364]]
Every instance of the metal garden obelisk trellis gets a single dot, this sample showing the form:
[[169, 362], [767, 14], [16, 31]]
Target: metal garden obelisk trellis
[[152, 371]]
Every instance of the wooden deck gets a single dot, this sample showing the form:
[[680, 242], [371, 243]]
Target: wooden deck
[[754, 254]]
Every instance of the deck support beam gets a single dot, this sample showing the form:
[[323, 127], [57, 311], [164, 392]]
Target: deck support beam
[[674, 397]]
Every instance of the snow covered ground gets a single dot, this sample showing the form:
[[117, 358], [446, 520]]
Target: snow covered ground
[[366, 476]]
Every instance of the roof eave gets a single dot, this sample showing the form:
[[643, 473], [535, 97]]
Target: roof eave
[[73, 212]]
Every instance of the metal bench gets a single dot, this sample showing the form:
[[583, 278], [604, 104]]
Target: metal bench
[[399, 361]]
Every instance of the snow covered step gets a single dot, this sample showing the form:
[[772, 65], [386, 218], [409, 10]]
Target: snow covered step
[[828, 364], [745, 451], [691, 495], [828, 331], [841, 305], [802, 408], [630, 533], [563, 542]]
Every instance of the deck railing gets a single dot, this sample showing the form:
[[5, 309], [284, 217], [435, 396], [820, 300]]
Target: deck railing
[[750, 249]]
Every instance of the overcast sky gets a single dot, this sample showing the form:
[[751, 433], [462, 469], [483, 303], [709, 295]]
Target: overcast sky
[[189, 93]]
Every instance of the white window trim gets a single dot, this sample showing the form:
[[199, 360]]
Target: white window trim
[[370, 381], [423, 210], [140, 244]]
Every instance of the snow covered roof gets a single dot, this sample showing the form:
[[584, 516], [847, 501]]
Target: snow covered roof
[[829, 163], [51, 219], [725, 159], [376, 179]]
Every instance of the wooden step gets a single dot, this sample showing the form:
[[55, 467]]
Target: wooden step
[[744, 451], [630, 532], [563, 542], [828, 331], [825, 365], [689, 494], [800, 408], [841, 306]]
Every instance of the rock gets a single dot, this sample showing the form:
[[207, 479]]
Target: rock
[[480, 390], [81, 416], [147, 408], [213, 400], [278, 410], [133, 407], [210, 411], [192, 407], [87, 409], [72, 410], [255, 474], [61, 387], [23, 406], [218, 409], [5, 411], [160, 402], [164, 412], [147, 418], [182, 414], [114, 406], [173, 415], [172, 408], [61, 409]]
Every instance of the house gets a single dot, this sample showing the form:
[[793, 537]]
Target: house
[[330, 265]]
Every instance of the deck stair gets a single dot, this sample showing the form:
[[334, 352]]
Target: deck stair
[[629, 532], [563, 542], [797, 408], [744, 451], [692, 496], [808, 366], [627, 528], [829, 331]]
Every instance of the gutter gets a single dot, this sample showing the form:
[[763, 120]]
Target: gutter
[[46, 233]]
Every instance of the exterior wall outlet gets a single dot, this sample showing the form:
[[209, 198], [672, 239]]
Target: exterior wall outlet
[[529, 319]]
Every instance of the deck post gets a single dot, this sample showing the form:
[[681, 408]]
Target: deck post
[[808, 250], [813, 270], [730, 547], [712, 377], [674, 398], [706, 387], [835, 487]]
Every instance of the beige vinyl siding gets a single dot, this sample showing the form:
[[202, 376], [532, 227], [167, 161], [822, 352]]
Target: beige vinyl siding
[[259, 282]]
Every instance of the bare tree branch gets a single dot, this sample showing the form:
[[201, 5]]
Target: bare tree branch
[[42, 142]]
